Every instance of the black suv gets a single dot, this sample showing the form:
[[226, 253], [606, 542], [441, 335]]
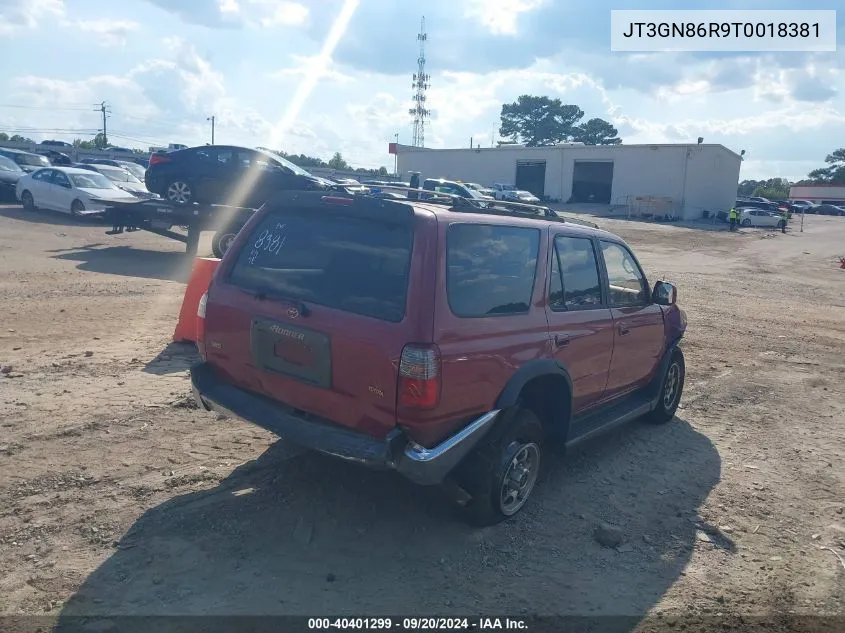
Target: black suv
[[226, 174]]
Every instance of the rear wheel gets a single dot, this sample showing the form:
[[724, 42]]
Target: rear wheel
[[179, 191], [77, 208], [27, 201], [501, 474], [223, 239], [746, 222]]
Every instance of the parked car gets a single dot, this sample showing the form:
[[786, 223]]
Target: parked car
[[452, 187], [69, 190], [56, 158], [122, 178], [226, 174], [518, 195], [10, 173], [499, 189], [829, 209], [27, 161], [446, 345], [802, 205], [53, 143], [759, 217], [134, 168], [755, 204], [484, 191]]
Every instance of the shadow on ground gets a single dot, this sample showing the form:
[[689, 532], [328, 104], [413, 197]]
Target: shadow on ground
[[173, 359], [129, 262], [306, 534], [43, 216]]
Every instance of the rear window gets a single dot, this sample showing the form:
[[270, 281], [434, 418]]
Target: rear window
[[343, 262], [491, 269]]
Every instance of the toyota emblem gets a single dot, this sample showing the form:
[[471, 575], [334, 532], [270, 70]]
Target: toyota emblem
[[293, 313]]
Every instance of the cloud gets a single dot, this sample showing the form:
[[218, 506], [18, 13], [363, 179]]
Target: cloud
[[309, 65], [500, 17], [26, 14], [235, 14], [106, 31]]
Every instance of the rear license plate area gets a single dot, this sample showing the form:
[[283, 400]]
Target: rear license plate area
[[291, 350]]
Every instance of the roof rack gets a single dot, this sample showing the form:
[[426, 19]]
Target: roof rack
[[493, 207]]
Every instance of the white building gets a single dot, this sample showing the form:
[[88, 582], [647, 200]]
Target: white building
[[832, 194], [684, 180]]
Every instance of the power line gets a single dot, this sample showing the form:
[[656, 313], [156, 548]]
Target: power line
[[28, 107]]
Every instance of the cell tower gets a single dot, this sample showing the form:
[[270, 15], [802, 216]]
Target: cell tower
[[420, 85]]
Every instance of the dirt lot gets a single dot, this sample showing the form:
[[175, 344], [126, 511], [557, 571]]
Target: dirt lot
[[117, 496]]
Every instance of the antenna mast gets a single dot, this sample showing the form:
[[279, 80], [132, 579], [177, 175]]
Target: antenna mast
[[420, 84]]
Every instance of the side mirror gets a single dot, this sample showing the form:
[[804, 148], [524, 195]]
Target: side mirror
[[664, 293]]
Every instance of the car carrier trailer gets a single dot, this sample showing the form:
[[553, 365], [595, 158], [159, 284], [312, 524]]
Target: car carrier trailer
[[161, 216]]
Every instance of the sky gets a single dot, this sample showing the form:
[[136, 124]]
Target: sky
[[324, 76]]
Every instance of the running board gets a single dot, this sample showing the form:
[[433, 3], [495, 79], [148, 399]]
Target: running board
[[593, 423]]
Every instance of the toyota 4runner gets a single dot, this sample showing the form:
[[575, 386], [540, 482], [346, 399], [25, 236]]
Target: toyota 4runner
[[449, 343]]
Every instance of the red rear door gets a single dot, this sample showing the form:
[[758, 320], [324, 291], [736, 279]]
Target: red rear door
[[312, 310]]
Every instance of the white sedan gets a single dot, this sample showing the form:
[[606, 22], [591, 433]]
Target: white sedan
[[759, 217], [519, 195], [69, 190]]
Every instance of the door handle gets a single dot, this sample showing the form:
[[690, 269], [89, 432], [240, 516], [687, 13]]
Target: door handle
[[623, 330], [561, 340]]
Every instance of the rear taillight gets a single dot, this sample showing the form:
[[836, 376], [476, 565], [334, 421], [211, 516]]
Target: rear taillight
[[419, 377], [201, 325], [155, 159]]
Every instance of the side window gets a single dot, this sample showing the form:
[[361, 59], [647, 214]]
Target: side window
[[490, 269], [627, 283], [60, 179], [576, 269], [43, 175]]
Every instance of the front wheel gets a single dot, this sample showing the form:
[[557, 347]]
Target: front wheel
[[671, 388], [77, 208], [746, 222], [27, 201], [501, 474]]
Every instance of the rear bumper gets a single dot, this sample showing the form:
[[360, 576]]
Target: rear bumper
[[426, 466]]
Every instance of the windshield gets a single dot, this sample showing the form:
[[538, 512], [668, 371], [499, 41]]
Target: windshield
[[32, 159], [8, 165], [135, 169], [284, 162], [117, 174], [91, 181]]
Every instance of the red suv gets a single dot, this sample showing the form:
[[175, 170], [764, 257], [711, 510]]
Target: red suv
[[449, 343]]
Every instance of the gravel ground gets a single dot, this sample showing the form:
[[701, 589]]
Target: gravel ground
[[117, 496]]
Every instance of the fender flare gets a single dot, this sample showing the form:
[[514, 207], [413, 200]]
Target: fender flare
[[534, 369]]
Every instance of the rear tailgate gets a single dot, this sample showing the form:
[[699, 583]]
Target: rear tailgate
[[313, 308]]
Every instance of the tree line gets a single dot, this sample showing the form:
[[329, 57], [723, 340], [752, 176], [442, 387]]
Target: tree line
[[537, 121], [778, 188]]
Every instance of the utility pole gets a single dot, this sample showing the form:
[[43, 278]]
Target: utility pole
[[103, 107], [211, 118], [396, 156]]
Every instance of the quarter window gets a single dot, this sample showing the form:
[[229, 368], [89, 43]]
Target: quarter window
[[490, 269], [626, 281]]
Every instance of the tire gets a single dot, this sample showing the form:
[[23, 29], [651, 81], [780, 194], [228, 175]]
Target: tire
[[27, 201], [746, 222], [222, 239], [76, 208], [179, 191], [484, 474], [671, 389]]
